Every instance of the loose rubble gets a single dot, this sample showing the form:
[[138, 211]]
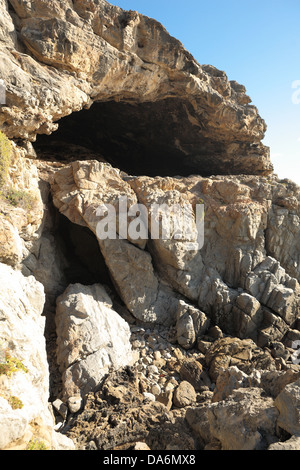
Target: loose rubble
[[171, 392]]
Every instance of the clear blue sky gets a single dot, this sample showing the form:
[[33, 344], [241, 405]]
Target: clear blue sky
[[257, 43]]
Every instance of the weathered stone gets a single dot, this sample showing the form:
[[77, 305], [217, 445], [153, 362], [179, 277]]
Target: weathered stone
[[244, 354], [190, 324], [269, 300], [245, 421], [231, 379], [141, 446], [288, 404], [273, 382], [166, 398], [21, 210], [291, 444], [192, 372], [92, 337], [87, 54], [197, 418], [184, 395], [145, 296], [74, 404], [61, 408]]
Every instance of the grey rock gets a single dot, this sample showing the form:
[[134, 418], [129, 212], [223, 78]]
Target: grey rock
[[91, 338]]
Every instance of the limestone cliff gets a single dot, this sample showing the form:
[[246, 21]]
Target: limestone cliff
[[60, 57], [103, 104]]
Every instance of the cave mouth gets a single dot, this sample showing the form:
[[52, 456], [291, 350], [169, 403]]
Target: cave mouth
[[162, 138], [85, 263]]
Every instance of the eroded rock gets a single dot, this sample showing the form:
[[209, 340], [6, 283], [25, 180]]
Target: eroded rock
[[23, 361], [246, 421], [91, 338], [80, 54]]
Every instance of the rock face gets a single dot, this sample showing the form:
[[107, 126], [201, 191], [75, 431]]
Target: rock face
[[82, 53], [24, 372], [179, 342], [242, 289], [22, 302]]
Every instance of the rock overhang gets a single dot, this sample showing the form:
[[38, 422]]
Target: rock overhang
[[140, 84], [159, 138]]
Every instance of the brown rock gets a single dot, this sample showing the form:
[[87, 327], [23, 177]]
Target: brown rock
[[184, 395], [235, 352], [166, 398], [192, 371]]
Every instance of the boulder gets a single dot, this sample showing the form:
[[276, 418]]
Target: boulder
[[193, 372], [91, 338], [291, 444], [190, 324], [288, 405], [244, 421], [243, 354], [184, 395]]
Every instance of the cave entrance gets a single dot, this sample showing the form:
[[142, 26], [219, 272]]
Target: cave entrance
[[161, 138], [85, 262]]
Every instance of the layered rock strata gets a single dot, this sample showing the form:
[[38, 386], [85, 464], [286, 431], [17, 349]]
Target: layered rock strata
[[60, 57]]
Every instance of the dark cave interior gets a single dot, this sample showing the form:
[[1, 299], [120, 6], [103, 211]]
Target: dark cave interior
[[86, 264], [153, 138]]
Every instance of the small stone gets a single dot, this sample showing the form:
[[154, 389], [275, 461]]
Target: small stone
[[141, 446], [137, 329], [149, 396], [169, 387], [162, 380], [141, 367], [74, 404], [143, 352], [61, 407], [178, 354], [215, 332], [203, 346], [157, 355], [135, 357], [153, 370], [147, 360], [173, 381], [152, 340], [184, 395], [155, 389], [159, 363], [192, 371], [143, 384], [59, 423]]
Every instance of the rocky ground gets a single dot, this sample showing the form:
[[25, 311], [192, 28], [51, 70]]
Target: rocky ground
[[226, 393]]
